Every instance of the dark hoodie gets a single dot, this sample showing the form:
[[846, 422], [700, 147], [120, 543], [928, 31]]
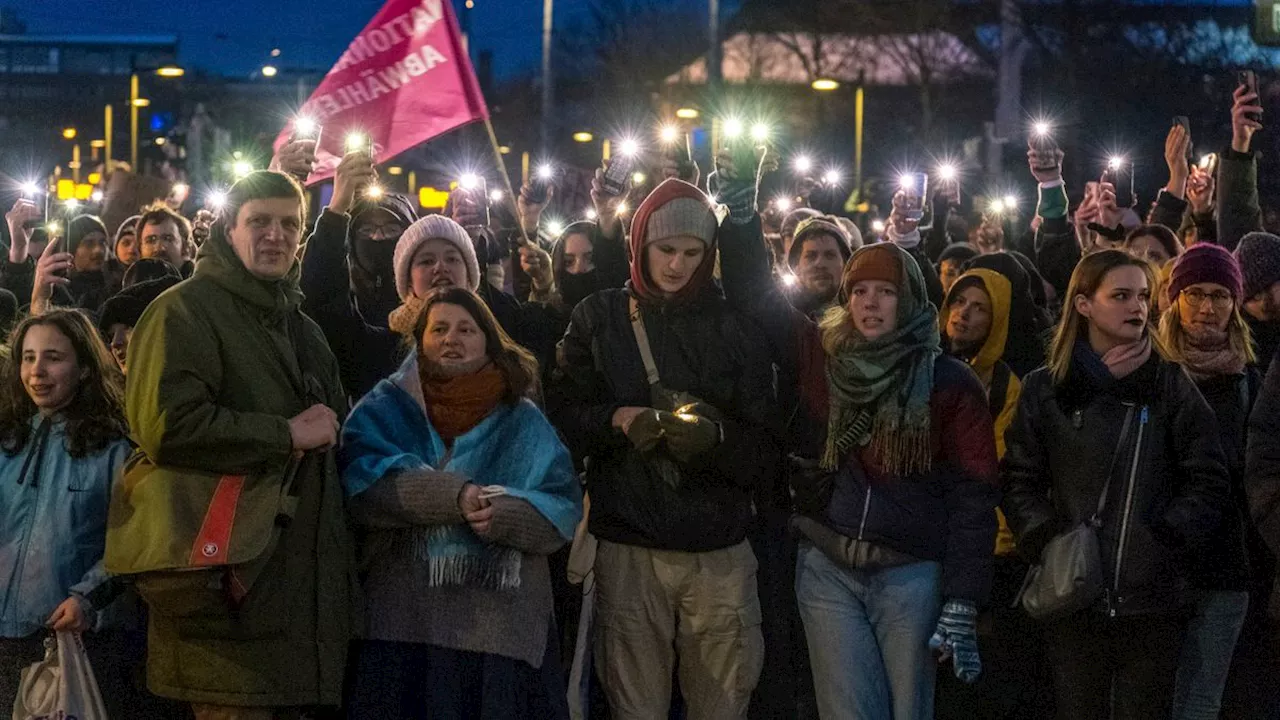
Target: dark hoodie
[[349, 290]]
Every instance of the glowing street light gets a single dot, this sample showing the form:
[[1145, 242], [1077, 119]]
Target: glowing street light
[[688, 113], [583, 137], [69, 133], [170, 71], [824, 85], [269, 71]]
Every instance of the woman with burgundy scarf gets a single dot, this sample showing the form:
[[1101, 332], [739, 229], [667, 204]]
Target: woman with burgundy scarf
[[1112, 418], [1207, 335], [463, 489], [667, 392]]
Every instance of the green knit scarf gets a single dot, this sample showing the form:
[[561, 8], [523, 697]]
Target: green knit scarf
[[880, 388]]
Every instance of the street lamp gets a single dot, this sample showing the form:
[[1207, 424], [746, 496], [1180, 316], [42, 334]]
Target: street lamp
[[269, 71], [825, 85], [583, 137], [687, 113], [69, 133], [170, 71], [137, 101]]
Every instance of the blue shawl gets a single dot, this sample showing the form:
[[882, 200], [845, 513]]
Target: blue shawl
[[515, 447]]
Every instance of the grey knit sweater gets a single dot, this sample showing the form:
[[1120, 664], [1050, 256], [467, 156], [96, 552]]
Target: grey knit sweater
[[401, 604]]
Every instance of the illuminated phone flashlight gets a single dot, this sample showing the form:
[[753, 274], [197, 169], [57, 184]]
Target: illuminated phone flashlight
[[545, 171], [495, 196], [1206, 162], [96, 196], [591, 214], [629, 147], [469, 181], [52, 227], [802, 164], [554, 228], [1041, 128], [907, 181], [216, 199], [180, 190], [877, 226], [783, 203], [638, 178], [305, 127], [1010, 202], [996, 207], [71, 205], [241, 168], [789, 279], [1115, 162], [622, 208], [832, 177], [30, 189], [374, 192], [355, 142], [760, 133], [669, 134], [947, 172], [733, 128]]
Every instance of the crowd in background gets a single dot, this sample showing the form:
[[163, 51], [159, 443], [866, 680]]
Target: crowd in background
[[796, 468]]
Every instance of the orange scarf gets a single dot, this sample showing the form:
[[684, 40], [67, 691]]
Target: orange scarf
[[457, 404]]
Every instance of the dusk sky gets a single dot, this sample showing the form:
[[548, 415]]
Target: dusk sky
[[235, 37]]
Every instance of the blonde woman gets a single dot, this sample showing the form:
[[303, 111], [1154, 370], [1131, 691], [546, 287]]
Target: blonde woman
[[1206, 334], [1112, 415]]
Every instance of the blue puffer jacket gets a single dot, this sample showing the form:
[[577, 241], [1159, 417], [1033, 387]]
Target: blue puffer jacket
[[53, 525]]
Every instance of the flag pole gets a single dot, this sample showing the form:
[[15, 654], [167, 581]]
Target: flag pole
[[510, 196]]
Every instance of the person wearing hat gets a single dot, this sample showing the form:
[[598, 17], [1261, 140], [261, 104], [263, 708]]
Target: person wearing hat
[[126, 241], [1206, 334], [676, 450], [817, 257], [952, 263], [1259, 256], [121, 312], [83, 275], [787, 230], [893, 471]]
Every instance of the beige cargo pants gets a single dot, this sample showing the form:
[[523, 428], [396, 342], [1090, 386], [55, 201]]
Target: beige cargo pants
[[657, 607]]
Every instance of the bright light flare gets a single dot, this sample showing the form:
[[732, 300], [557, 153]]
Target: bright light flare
[[555, 227], [760, 132], [831, 177], [1011, 202], [71, 205], [241, 168], [622, 208], [469, 181], [30, 189], [545, 171], [638, 178], [947, 172], [802, 163], [628, 147], [789, 280], [216, 199], [496, 196], [591, 214], [1115, 162], [96, 196], [996, 206], [1041, 128], [304, 126], [733, 128], [669, 134], [355, 142], [374, 192], [52, 227], [877, 226], [783, 203]]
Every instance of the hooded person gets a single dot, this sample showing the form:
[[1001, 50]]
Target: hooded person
[[583, 262], [667, 390], [816, 259], [1259, 257], [228, 377], [790, 223], [1024, 351], [952, 263], [126, 241]]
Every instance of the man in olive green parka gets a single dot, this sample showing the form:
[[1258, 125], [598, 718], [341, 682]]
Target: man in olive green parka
[[226, 375]]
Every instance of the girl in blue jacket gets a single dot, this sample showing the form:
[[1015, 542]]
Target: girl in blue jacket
[[63, 439]]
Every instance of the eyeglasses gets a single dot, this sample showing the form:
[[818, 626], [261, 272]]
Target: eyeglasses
[[1221, 300], [388, 231]]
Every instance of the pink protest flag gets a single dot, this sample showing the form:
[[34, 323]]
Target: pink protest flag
[[403, 80]]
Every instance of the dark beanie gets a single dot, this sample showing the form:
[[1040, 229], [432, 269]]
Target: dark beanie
[[126, 307], [822, 225], [82, 225], [1259, 258], [1206, 263], [958, 253]]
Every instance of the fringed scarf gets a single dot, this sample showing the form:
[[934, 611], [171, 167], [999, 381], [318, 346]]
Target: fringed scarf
[[880, 388]]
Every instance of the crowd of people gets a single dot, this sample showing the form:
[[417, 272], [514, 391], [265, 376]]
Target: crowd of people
[[797, 468]]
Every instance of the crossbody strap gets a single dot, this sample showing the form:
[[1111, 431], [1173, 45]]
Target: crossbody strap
[[1111, 470], [642, 341]]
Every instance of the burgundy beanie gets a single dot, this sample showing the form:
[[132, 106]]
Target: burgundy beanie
[[1204, 262]]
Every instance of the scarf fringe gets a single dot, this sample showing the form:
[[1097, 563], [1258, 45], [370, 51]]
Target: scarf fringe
[[496, 568], [903, 449]]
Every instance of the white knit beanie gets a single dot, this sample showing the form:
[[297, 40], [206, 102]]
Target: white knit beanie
[[682, 216], [428, 228]]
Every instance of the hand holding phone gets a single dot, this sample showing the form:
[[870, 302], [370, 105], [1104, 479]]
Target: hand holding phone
[[1246, 112]]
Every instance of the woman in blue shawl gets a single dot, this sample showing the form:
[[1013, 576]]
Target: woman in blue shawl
[[463, 489]]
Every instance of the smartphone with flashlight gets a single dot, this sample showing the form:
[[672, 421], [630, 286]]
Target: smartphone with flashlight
[[1120, 175], [1248, 79], [915, 191], [1046, 149], [358, 143], [304, 128], [476, 191], [1209, 163], [742, 147], [1185, 123], [620, 169], [540, 184]]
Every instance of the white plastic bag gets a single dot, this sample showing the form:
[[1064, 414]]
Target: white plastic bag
[[61, 686]]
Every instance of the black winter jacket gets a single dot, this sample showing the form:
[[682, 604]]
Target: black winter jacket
[[703, 348], [1169, 488]]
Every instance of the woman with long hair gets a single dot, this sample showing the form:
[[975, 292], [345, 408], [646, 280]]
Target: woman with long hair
[[1206, 334], [464, 489], [1112, 419], [63, 440]]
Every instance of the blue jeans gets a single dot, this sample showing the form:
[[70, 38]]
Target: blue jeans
[[868, 634], [1207, 649]]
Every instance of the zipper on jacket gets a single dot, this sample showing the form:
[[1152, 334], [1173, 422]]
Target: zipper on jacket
[[1128, 507], [866, 508]]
